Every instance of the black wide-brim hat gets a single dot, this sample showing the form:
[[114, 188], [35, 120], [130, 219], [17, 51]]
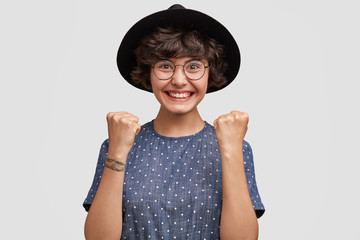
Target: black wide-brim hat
[[178, 17]]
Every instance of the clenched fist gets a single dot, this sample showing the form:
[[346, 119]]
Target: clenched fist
[[230, 131], [122, 128]]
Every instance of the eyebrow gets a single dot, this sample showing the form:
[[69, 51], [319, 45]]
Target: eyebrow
[[189, 60]]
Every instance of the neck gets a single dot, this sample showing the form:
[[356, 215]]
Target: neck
[[178, 125]]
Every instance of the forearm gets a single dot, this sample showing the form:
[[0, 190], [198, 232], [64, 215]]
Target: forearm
[[238, 218], [104, 220]]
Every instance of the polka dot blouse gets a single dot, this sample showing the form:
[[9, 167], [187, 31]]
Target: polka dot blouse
[[173, 185]]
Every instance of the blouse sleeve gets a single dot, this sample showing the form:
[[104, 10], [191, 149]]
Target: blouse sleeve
[[251, 181], [98, 174]]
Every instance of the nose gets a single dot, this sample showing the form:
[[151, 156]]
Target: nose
[[179, 78]]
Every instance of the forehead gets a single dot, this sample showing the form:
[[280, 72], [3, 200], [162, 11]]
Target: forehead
[[182, 60]]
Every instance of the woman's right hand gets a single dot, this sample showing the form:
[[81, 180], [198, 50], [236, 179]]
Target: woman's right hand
[[122, 128]]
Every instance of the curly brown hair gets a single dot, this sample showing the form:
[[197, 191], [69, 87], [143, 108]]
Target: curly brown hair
[[170, 42]]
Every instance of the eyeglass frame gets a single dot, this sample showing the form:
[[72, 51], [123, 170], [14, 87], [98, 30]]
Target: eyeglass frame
[[191, 60]]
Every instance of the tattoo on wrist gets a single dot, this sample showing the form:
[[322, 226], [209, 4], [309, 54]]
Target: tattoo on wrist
[[115, 165]]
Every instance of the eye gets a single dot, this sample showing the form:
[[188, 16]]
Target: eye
[[164, 66], [194, 66]]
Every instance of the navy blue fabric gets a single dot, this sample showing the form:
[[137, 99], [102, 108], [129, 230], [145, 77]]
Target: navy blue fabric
[[173, 186]]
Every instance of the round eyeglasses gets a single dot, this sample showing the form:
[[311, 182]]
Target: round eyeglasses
[[193, 69]]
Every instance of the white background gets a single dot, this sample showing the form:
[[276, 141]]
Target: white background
[[298, 81]]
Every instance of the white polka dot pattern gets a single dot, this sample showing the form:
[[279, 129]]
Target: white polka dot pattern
[[173, 186]]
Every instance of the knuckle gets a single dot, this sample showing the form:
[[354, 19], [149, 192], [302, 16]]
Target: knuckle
[[122, 120], [221, 120], [245, 115], [109, 115], [236, 114], [134, 126], [115, 116]]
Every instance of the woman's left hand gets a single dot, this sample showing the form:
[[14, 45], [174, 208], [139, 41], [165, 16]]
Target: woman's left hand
[[230, 131]]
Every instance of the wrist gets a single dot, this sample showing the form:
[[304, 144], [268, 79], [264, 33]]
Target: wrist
[[229, 154], [118, 155]]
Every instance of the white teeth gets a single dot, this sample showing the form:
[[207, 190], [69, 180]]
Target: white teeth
[[179, 95]]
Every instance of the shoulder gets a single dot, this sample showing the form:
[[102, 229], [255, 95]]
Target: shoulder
[[104, 147], [105, 144], [209, 128], [247, 146], [147, 127], [103, 152]]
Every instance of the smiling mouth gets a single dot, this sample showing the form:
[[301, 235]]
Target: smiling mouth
[[179, 95]]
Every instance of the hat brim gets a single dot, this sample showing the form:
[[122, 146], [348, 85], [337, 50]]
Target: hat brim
[[178, 18]]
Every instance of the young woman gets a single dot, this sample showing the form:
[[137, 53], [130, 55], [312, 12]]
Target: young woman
[[176, 177]]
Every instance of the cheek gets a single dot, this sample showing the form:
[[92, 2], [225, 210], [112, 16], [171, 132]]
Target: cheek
[[157, 87], [154, 84], [202, 86]]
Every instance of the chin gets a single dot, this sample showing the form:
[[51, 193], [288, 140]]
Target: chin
[[180, 110]]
